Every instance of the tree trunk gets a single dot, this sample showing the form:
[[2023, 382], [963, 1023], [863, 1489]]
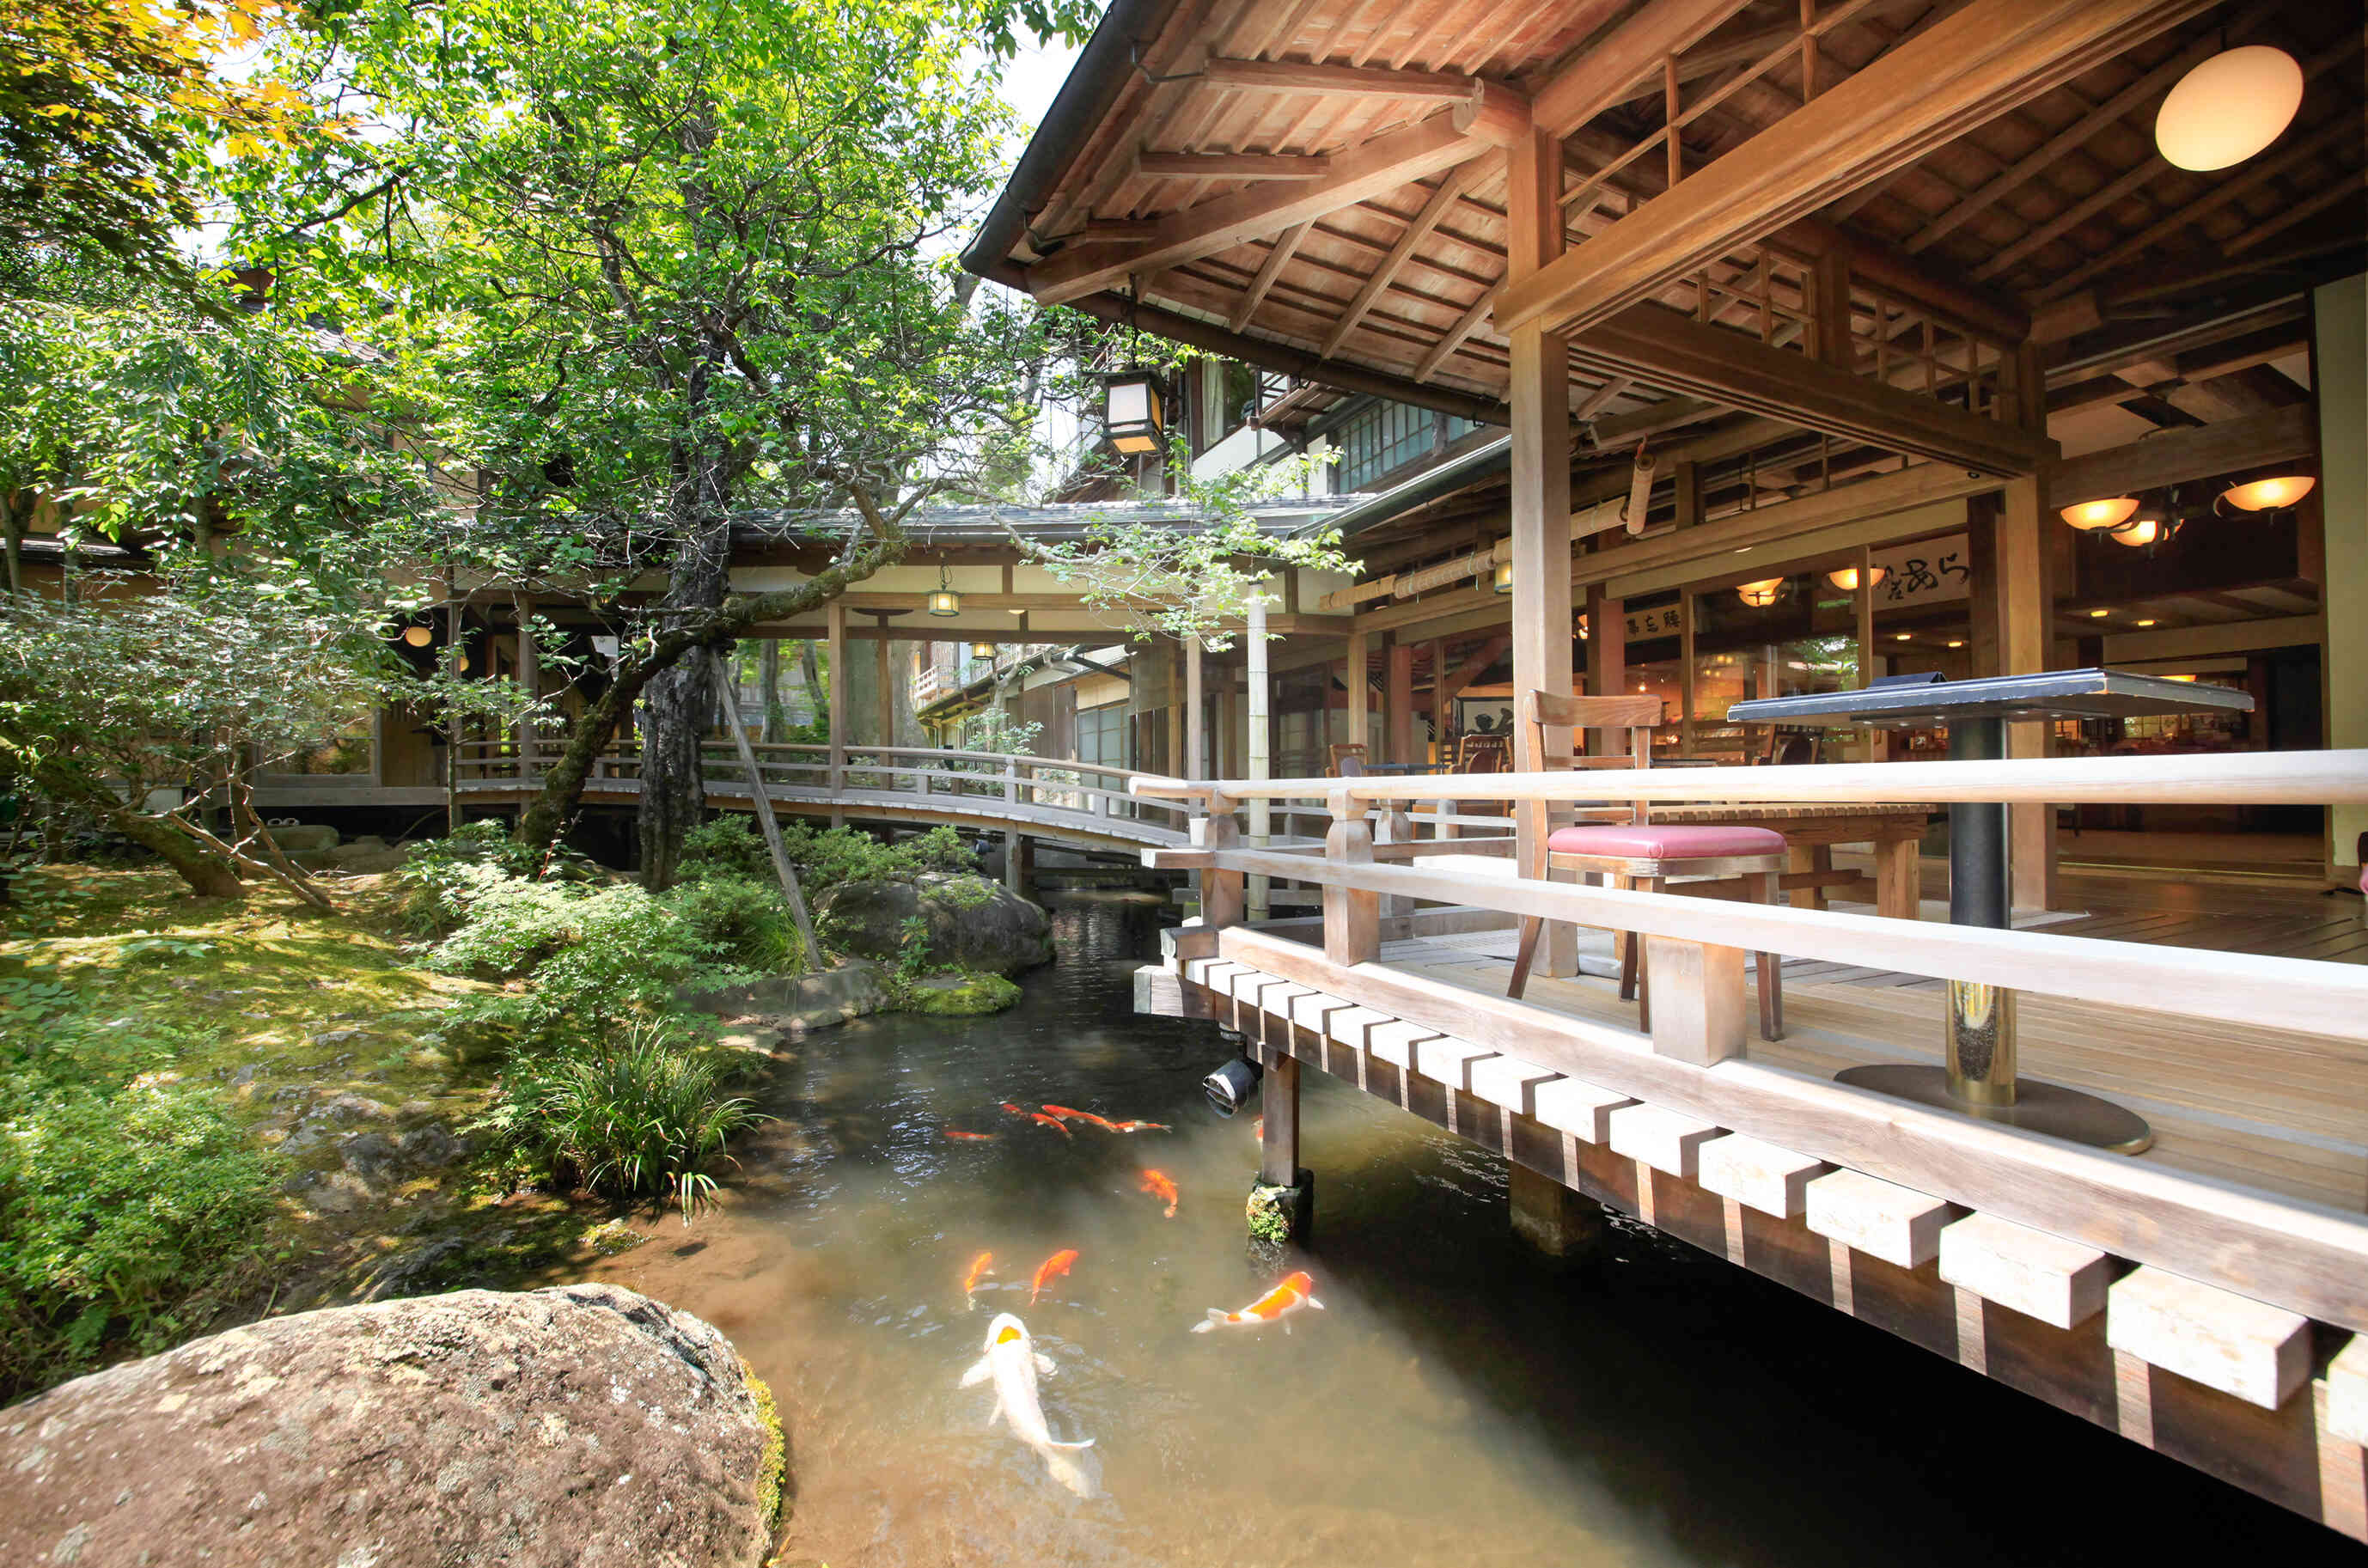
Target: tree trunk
[[679, 704], [209, 875], [768, 676], [810, 671]]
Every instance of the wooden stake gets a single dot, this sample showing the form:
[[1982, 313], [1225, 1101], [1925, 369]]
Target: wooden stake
[[762, 800]]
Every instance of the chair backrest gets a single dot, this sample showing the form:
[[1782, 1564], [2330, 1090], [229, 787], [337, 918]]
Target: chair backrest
[[1543, 710], [1348, 759]]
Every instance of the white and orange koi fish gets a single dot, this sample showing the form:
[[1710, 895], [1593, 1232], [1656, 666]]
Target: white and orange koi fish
[[1014, 1363], [1296, 1290]]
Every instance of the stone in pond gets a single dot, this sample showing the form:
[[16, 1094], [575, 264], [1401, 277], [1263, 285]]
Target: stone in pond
[[584, 1426], [970, 923]]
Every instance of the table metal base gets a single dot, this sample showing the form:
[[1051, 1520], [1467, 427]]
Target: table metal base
[[2048, 1108]]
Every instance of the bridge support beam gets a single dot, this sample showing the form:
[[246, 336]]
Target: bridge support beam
[[1559, 1223]]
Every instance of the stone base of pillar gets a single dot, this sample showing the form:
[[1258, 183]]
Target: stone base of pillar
[[1557, 1222], [1282, 1216]]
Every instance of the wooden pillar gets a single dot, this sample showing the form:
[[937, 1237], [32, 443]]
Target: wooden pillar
[[2024, 617], [452, 657], [884, 701], [1607, 656], [1550, 1217], [835, 622], [1352, 928], [1261, 740], [1278, 1131], [1195, 721], [530, 679], [1686, 694], [1398, 697], [1175, 764], [1869, 657], [1437, 696], [1539, 394], [1360, 713], [2339, 326]]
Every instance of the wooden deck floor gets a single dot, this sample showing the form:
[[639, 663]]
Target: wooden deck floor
[[2272, 1109]]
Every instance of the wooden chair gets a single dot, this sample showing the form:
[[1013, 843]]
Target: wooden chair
[[1634, 853], [1348, 760]]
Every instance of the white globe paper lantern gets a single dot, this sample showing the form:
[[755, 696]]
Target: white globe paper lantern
[[2230, 107]]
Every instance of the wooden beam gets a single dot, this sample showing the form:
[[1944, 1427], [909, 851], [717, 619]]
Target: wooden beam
[[1465, 325], [1231, 165], [1373, 168], [1964, 70], [1605, 73], [1659, 347], [2289, 435], [1277, 257], [1363, 82], [1451, 185]]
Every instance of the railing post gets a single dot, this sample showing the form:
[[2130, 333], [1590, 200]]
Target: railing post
[[1696, 998], [1221, 889], [1010, 781], [1396, 826], [1352, 918]]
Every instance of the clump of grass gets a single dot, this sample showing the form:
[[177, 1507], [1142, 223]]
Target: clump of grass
[[644, 1117]]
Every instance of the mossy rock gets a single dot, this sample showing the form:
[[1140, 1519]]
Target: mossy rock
[[772, 1469], [966, 923], [960, 995]]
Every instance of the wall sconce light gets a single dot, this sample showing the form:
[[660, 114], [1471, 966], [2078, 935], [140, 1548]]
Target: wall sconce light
[[2228, 108], [2095, 517], [1846, 578], [1762, 593], [945, 601], [1502, 579], [1131, 412], [2269, 494]]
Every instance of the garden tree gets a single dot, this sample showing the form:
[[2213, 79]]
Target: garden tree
[[237, 454], [108, 112], [670, 273]]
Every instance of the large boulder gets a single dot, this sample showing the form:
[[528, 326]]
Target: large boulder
[[972, 923], [582, 1426], [797, 1003]]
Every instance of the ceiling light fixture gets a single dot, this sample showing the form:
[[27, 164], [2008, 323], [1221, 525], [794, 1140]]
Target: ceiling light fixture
[[417, 636], [1846, 578], [2228, 108], [1762, 593], [2099, 614], [2094, 516], [2146, 531], [945, 601], [2267, 495], [1502, 580]]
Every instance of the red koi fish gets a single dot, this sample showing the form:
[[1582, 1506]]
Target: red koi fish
[[1296, 1290], [958, 1136], [1156, 1184], [1017, 1110], [1140, 1126], [1055, 1122], [1066, 1114], [1052, 1267], [978, 1268]]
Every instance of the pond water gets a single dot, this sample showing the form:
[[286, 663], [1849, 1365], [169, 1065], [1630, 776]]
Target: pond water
[[1460, 1401]]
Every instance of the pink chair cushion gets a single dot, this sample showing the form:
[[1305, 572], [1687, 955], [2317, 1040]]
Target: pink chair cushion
[[1678, 841]]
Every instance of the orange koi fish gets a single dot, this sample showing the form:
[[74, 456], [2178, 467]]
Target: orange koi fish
[[1156, 1184], [1066, 1114], [1055, 1122], [1140, 1126], [1296, 1290], [1056, 1265], [978, 1266], [1017, 1110], [958, 1136]]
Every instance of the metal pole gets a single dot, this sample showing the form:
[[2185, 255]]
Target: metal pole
[[1979, 1043]]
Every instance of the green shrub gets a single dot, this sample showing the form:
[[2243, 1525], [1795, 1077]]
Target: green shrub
[[837, 854], [743, 922], [727, 847], [640, 1118], [122, 1211], [596, 957], [439, 875]]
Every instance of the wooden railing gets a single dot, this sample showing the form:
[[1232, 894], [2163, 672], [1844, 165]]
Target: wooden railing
[[1047, 789], [2308, 1259]]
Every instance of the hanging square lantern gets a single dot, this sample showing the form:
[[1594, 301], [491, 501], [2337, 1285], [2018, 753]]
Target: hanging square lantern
[[944, 601], [985, 651], [1131, 412]]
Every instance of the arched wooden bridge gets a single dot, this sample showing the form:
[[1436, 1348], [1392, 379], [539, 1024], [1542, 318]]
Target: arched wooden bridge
[[1077, 803]]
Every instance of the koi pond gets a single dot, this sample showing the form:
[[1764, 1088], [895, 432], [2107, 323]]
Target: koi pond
[[1458, 1402]]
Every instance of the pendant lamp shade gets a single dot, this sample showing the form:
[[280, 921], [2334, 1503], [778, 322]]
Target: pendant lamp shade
[[2094, 516], [2146, 531], [2262, 495], [2230, 107], [1760, 595]]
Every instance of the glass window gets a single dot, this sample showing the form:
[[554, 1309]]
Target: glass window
[[1384, 438], [1101, 735]]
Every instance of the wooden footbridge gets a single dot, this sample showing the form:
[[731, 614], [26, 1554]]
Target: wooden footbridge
[[1082, 804], [2208, 1298]]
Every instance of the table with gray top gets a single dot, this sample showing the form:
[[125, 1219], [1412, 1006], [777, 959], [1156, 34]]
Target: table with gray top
[[1978, 1073]]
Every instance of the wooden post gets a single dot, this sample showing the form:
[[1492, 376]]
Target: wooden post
[[452, 657], [1352, 919], [1539, 394], [530, 679], [1437, 699], [1194, 723], [768, 676], [1398, 698], [760, 799], [1260, 739], [1278, 1131], [2023, 618], [1870, 659], [2339, 325], [1607, 657], [1360, 711], [1698, 1005], [1221, 893], [884, 699], [1686, 696], [835, 621]]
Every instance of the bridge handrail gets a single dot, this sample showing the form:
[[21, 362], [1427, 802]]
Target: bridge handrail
[[2275, 778]]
